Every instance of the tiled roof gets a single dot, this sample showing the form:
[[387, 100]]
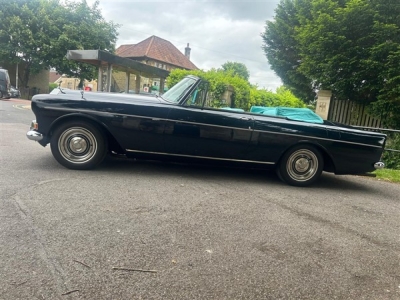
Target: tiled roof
[[122, 48], [53, 76], [158, 49]]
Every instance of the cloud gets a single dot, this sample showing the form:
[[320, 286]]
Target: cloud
[[218, 31], [258, 10]]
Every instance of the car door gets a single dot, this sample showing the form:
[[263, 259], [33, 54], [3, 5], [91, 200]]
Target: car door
[[194, 129], [139, 127]]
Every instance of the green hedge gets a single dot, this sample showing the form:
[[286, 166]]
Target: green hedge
[[392, 159], [244, 95]]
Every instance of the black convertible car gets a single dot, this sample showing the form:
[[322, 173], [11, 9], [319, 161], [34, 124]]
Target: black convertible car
[[182, 125]]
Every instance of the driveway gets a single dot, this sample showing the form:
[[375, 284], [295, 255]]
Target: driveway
[[146, 230]]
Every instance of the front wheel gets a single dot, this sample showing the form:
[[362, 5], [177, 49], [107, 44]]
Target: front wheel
[[78, 145], [301, 165]]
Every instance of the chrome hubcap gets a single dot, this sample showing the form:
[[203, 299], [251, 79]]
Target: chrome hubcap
[[302, 165], [77, 145]]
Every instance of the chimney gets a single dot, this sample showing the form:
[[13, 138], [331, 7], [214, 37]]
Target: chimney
[[187, 51]]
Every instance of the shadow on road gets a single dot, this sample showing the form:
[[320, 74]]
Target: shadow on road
[[327, 181], [121, 166]]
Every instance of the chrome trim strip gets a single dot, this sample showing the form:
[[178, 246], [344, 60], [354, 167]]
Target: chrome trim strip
[[79, 110], [204, 157], [143, 117], [317, 138], [219, 126], [34, 135], [195, 123]]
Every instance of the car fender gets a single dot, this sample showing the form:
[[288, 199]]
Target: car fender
[[85, 117], [329, 161]]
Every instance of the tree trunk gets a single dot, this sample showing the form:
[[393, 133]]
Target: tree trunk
[[24, 77]]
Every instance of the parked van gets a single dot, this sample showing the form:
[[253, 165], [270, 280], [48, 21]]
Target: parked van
[[4, 84]]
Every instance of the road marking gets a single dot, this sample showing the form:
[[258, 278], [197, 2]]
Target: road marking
[[22, 107]]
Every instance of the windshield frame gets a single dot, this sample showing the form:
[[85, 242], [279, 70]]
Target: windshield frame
[[178, 93]]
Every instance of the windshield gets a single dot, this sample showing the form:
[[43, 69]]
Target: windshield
[[176, 93]]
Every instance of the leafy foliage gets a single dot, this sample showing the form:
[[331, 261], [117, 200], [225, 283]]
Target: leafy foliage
[[351, 47], [244, 95], [52, 86], [39, 32], [282, 49], [392, 159]]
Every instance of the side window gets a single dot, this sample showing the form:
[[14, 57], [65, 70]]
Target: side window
[[198, 96], [194, 99]]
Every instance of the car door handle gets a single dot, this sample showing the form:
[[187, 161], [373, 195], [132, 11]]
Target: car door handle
[[245, 118]]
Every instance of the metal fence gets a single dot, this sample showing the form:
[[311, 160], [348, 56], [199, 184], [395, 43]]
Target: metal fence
[[392, 133]]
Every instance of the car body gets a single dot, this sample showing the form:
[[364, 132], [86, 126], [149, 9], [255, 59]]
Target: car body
[[4, 84], [14, 92], [181, 125], [140, 93]]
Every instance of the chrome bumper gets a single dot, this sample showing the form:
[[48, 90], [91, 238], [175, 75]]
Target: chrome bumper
[[379, 165], [34, 135]]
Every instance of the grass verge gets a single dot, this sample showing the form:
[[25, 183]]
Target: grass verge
[[388, 175]]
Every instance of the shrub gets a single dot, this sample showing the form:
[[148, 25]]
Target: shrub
[[392, 159], [52, 86], [244, 95]]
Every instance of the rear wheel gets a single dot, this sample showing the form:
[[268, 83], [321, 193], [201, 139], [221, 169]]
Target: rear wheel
[[78, 145], [301, 165]]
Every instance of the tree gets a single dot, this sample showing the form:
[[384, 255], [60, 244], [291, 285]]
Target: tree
[[236, 69], [349, 46], [282, 49], [38, 34], [336, 45]]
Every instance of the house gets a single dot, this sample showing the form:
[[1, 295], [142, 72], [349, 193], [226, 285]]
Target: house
[[156, 52], [69, 82], [147, 63]]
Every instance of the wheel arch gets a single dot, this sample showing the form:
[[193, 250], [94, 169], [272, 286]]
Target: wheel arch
[[329, 164], [113, 144]]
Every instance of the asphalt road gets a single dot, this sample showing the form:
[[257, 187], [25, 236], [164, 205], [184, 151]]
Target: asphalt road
[[186, 232]]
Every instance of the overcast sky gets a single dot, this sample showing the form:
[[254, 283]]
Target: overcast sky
[[217, 30]]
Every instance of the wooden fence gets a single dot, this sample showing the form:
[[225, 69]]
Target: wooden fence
[[352, 113], [355, 114]]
